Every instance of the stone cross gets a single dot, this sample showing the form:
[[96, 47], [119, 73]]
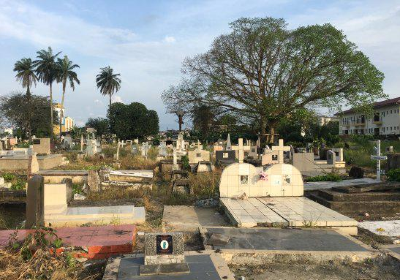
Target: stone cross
[[281, 148], [241, 150], [378, 159], [199, 146], [174, 160]]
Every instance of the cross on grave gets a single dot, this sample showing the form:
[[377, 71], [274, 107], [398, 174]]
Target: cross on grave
[[281, 148], [118, 145], [378, 159]]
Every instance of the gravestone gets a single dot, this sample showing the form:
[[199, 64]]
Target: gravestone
[[41, 146], [35, 202], [269, 156], [145, 149], [304, 162], [356, 172], [81, 143], [198, 155], [135, 149], [227, 155], [331, 157], [94, 181], [68, 142], [162, 149], [164, 254], [276, 180]]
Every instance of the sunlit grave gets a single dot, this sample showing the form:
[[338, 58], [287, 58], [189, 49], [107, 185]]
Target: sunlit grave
[[273, 196]]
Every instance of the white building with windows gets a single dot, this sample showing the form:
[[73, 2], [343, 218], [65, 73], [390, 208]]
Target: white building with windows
[[386, 120]]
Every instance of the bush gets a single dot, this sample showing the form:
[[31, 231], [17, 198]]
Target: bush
[[394, 175], [333, 177]]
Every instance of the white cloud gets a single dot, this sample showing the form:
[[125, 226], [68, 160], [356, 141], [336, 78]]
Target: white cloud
[[116, 98], [169, 39]]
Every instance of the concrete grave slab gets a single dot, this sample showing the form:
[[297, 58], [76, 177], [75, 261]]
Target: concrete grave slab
[[312, 186], [385, 228], [207, 266], [285, 239], [191, 218]]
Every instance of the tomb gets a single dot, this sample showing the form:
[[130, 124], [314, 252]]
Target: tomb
[[198, 155], [273, 195], [41, 146], [225, 156], [49, 204]]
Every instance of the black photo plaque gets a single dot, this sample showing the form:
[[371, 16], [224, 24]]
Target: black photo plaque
[[164, 245], [36, 141]]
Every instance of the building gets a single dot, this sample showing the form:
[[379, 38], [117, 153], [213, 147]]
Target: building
[[67, 122], [324, 120], [385, 121]]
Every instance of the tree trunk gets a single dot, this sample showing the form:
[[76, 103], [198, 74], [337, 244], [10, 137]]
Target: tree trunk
[[28, 98], [263, 138], [51, 111], [109, 108], [62, 111], [272, 134]]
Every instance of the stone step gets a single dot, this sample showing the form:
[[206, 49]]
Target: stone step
[[356, 209]]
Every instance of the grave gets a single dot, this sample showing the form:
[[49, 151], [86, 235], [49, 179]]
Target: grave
[[145, 149], [273, 195], [41, 146], [162, 150], [198, 155], [203, 166], [269, 157], [378, 199], [225, 156], [48, 203]]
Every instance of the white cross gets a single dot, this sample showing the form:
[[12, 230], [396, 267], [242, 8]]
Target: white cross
[[378, 159], [241, 150], [281, 148]]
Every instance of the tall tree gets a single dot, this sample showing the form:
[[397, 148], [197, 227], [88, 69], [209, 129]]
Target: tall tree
[[262, 71], [66, 75], [14, 107], [27, 77], [108, 82], [47, 72]]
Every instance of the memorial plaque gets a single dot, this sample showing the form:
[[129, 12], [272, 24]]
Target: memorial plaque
[[164, 245], [36, 141]]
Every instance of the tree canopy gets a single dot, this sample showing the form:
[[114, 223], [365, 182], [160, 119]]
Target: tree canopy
[[15, 106], [132, 120], [108, 82], [261, 72], [100, 124]]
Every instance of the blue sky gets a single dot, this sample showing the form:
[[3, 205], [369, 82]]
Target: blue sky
[[146, 41]]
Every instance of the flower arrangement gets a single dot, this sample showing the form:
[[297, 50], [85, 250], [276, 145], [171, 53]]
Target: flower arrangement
[[263, 176]]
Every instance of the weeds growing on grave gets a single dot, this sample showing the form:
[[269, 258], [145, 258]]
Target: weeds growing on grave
[[36, 258], [393, 175], [333, 177]]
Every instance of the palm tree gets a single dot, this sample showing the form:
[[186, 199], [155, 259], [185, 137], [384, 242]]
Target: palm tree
[[26, 76], [66, 74], [47, 72], [108, 82]]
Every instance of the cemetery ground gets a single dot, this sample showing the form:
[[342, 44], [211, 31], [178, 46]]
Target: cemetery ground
[[158, 199]]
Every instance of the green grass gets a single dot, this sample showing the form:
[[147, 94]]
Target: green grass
[[328, 177]]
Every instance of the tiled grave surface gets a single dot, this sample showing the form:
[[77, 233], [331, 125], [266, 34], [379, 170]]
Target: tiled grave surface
[[386, 228], [291, 211], [202, 267], [99, 242], [286, 239], [312, 186]]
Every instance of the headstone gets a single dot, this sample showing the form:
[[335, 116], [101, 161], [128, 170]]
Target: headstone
[[67, 143], [35, 202], [117, 155], [164, 248], [145, 149], [135, 149], [304, 162], [198, 155], [162, 149], [94, 181], [331, 157], [41, 145]]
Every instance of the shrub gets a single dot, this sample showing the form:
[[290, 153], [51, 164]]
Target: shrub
[[185, 163], [394, 175], [327, 177]]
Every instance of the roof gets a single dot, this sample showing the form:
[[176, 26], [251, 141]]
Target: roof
[[376, 105]]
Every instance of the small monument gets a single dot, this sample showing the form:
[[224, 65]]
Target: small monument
[[162, 149], [378, 159], [145, 149], [164, 254]]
